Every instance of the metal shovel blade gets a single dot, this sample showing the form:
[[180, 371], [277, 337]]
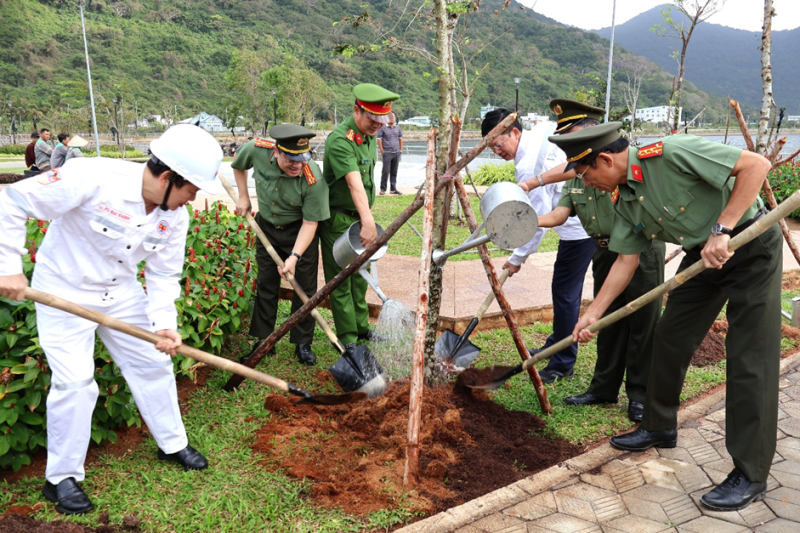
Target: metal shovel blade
[[355, 368], [334, 399], [489, 378], [447, 342]]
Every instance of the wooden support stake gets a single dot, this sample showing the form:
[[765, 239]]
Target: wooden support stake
[[411, 474], [358, 262], [673, 255], [742, 125], [497, 288], [786, 160]]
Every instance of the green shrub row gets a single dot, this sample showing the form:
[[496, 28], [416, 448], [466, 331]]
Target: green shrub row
[[491, 173], [218, 286], [13, 149], [784, 181]]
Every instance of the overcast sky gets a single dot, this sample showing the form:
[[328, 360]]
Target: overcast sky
[[596, 14]]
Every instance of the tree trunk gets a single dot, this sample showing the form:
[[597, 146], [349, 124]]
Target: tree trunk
[[766, 79]]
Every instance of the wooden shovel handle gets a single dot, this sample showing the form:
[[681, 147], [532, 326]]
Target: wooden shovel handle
[[278, 261], [135, 331], [757, 228], [490, 297]]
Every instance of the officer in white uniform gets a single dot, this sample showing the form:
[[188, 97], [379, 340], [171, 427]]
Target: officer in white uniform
[[533, 154], [107, 216]]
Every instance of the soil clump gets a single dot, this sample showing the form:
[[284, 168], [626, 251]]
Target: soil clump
[[14, 522], [354, 455]]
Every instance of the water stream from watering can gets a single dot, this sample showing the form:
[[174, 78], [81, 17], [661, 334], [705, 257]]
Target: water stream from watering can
[[396, 324]]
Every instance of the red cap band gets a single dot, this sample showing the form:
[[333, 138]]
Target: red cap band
[[376, 109]]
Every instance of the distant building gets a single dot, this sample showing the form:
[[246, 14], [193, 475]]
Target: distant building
[[416, 121], [485, 109], [655, 115], [793, 118], [206, 121], [532, 119]]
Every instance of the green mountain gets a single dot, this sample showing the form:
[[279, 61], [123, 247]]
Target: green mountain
[[720, 59], [171, 58]]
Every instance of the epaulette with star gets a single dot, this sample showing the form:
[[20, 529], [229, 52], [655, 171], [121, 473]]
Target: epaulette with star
[[264, 143], [653, 150], [352, 136], [309, 174]]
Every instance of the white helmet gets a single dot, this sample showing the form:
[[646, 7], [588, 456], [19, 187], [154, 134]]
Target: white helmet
[[190, 151]]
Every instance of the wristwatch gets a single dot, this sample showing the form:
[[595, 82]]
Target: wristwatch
[[718, 229], [297, 256]]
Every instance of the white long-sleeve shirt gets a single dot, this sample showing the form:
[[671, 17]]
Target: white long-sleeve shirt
[[99, 233], [535, 154]]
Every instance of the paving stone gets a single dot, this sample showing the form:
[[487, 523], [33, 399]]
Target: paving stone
[[706, 524], [563, 524], [644, 508], [779, 525], [627, 478], [531, 509], [793, 392], [703, 453], [790, 426], [689, 432], [544, 480], [756, 514], [638, 524], [684, 477], [786, 479], [677, 454], [636, 458], [721, 449], [789, 449], [594, 458], [728, 516], [602, 481], [660, 478], [609, 508], [495, 523], [575, 507], [584, 491], [719, 468], [681, 509], [785, 503], [655, 494]]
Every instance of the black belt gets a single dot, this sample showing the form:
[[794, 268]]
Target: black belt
[[602, 242], [351, 214], [759, 214], [290, 225]]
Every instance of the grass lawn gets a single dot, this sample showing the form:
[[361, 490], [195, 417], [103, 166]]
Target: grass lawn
[[237, 494], [406, 241], [14, 170]]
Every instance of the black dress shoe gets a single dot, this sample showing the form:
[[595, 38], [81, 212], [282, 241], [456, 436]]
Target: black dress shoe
[[371, 336], [641, 440], [304, 354], [245, 358], [736, 492], [188, 458], [68, 497], [587, 398], [635, 411], [549, 376], [534, 351]]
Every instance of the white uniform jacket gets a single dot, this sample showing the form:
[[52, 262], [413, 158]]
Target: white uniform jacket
[[535, 154], [99, 233]]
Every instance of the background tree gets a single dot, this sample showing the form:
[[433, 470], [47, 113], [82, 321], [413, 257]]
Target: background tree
[[691, 13], [301, 91], [634, 69], [249, 96], [766, 78]]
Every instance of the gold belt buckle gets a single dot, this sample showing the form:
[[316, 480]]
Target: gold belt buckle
[[602, 243]]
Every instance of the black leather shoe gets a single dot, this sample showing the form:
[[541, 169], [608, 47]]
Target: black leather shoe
[[68, 497], [635, 411], [244, 358], [534, 351], [549, 376], [304, 354], [587, 398], [641, 440], [372, 337], [736, 492], [188, 458]]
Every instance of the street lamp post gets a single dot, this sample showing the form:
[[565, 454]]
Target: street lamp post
[[516, 100], [89, 76]]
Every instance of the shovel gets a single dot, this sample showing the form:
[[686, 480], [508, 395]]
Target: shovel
[[198, 355], [493, 377], [357, 369], [452, 349]]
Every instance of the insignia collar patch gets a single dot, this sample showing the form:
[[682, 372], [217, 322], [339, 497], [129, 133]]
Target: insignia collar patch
[[636, 171], [615, 196], [309, 174], [264, 143]]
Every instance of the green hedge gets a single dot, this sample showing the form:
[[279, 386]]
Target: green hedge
[[218, 285], [491, 173], [784, 181], [13, 149]]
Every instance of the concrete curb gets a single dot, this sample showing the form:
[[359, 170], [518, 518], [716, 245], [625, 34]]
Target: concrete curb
[[523, 489]]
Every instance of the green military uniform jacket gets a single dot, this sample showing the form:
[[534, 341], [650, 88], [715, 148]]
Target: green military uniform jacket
[[349, 150], [283, 199], [675, 192], [594, 208]]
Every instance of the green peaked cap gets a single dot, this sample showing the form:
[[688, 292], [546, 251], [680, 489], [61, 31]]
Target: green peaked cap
[[293, 140], [568, 112], [586, 141]]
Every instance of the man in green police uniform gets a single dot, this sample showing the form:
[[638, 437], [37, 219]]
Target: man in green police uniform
[[624, 349], [292, 200], [681, 190], [348, 168]]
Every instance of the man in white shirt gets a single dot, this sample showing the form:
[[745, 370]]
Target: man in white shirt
[[533, 154], [108, 216]]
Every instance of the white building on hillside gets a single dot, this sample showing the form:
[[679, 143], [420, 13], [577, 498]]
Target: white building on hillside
[[206, 121], [416, 121], [655, 115]]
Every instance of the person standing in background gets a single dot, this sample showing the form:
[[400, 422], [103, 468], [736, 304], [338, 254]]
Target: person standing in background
[[390, 143]]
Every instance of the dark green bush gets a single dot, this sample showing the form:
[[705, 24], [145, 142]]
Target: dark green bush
[[491, 173], [784, 181]]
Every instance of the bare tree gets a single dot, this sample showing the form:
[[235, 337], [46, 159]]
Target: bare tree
[[635, 69], [693, 13], [766, 79]]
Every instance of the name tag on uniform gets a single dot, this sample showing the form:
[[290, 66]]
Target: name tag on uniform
[[639, 227], [576, 191], [364, 161]]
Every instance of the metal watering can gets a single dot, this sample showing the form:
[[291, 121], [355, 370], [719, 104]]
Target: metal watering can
[[508, 217], [348, 247]]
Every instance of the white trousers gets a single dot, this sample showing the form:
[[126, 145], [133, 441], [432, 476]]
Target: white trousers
[[68, 342]]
